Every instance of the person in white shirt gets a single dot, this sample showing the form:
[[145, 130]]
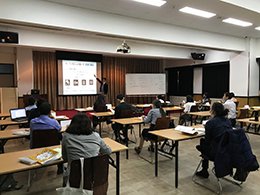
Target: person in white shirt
[[231, 106], [187, 106]]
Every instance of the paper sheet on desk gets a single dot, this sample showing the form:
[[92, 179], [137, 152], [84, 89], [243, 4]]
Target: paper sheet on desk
[[190, 130], [22, 132]]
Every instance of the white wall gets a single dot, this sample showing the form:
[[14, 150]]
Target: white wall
[[197, 80], [25, 70], [65, 17], [239, 73], [254, 70]]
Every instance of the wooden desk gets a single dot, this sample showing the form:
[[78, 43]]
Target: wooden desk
[[173, 108], [99, 115], [116, 148], [250, 121], [203, 114], [7, 122], [4, 116], [89, 109], [129, 121], [143, 105], [175, 136], [10, 163], [9, 134]]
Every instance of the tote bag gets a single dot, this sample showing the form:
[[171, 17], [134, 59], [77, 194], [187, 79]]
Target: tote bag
[[67, 190]]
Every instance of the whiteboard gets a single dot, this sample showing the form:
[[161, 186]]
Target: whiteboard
[[145, 84]]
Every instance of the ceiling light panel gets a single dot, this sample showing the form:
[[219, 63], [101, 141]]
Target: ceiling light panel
[[157, 3], [237, 22], [197, 12], [257, 28]]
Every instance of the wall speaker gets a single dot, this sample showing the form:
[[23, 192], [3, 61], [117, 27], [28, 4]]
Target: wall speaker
[[8, 37], [198, 56]]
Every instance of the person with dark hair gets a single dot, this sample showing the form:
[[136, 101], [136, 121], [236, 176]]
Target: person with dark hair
[[231, 106], [81, 141], [103, 85], [31, 104], [99, 106], [120, 111], [35, 112], [153, 114], [205, 99], [214, 129], [160, 98], [234, 99], [44, 121], [187, 106]]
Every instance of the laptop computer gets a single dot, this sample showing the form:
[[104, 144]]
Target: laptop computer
[[18, 114]]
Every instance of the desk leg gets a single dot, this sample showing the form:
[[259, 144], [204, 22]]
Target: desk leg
[[126, 140], [176, 163], [117, 173], [156, 158], [140, 130], [2, 145], [100, 129]]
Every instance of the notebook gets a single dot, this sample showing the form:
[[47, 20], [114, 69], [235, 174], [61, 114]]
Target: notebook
[[18, 114]]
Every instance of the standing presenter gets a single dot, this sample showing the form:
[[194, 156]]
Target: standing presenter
[[103, 85]]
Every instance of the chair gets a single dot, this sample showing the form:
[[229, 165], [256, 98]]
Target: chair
[[219, 190], [95, 174], [128, 114], [43, 138], [161, 123]]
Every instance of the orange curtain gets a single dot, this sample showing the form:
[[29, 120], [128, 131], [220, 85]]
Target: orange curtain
[[113, 69]]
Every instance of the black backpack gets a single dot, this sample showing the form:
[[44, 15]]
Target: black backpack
[[7, 183]]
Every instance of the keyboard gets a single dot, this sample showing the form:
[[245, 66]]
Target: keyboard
[[20, 119]]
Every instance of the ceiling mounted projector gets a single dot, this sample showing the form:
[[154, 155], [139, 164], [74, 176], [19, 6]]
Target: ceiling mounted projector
[[123, 48]]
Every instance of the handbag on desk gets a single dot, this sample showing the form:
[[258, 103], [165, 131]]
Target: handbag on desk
[[67, 190]]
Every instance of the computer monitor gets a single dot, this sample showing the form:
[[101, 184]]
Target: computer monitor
[[17, 113]]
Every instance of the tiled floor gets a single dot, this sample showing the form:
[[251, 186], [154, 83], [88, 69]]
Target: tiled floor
[[137, 175]]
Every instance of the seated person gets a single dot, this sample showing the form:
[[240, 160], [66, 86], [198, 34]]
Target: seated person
[[119, 109], [214, 129], [205, 99], [99, 106], [153, 114], [35, 112], [187, 106], [234, 99], [231, 106], [44, 121], [160, 98], [31, 104], [80, 141]]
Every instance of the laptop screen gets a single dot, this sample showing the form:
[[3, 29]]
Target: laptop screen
[[17, 113]]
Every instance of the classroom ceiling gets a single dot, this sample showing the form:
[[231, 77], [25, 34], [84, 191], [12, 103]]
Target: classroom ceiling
[[169, 13]]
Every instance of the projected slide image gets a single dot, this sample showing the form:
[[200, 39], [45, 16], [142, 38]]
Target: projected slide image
[[83, 82], [67, 82], [77, 77], [91, 82]]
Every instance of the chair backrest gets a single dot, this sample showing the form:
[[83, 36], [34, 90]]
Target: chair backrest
[[44, 138], [194, 108], [243, 113], [100, 108], [95, 172], [162, 123], [126, 113]]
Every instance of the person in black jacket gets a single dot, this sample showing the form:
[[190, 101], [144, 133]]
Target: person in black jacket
[[122, 110], [103, 85], [99, 106], [214, 129]]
